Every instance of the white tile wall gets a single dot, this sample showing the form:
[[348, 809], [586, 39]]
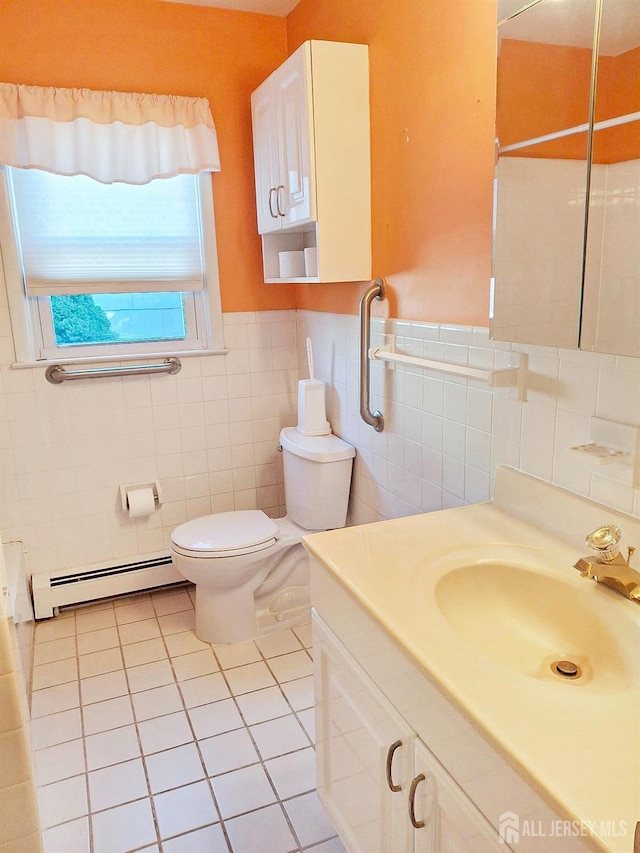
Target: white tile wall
[[444, 437], [210, 433]]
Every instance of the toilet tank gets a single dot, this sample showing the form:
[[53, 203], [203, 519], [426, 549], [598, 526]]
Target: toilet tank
[[317, 478]]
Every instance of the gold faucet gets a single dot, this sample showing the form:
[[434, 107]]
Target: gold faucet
[[608, 566]]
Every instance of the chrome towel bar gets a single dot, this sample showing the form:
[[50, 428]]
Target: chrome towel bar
[[56, 374], [375, 291]]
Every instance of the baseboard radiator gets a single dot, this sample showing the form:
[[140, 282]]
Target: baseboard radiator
[[58, 589]]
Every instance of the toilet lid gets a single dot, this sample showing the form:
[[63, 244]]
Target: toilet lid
[[226, 533]]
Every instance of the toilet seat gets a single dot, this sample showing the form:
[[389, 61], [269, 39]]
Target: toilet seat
[[225, 534]]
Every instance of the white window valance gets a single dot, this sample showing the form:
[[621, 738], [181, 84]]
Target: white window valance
[[109, 136]]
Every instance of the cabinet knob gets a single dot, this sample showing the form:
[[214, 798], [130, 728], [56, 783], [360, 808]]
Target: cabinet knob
[[390, 753], [271, 193]]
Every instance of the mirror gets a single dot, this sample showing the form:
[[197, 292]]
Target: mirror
[[611, 313], [567, 274]]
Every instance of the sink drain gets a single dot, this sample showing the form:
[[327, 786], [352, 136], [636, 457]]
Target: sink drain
[[566, 668]]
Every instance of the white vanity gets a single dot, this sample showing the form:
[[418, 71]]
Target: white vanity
[[442, 724]]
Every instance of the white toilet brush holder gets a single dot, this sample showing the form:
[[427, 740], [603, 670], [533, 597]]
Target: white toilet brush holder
[[312, 419]]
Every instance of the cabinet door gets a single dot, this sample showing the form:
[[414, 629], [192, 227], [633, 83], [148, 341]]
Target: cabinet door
[[451, 822], [295, 188], [363, 749], [266, 158]]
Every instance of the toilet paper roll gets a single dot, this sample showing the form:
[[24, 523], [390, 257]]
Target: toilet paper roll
[[311, 261], [291, 264], [141, 502]]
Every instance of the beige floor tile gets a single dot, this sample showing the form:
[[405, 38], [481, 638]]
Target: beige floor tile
[[265, 830], [71, 836], [156, 702], [186, 808], [56, 672], [150, 675], [194, 664], [110, 714], [137, 632], [95, 620], [175, 623], [123, 828], [53, 650], [162, 733], [111, 747], [262, 705], [135, 612], [55, 728], [117, 784], [215, 718], [62, 801], [52, 700], [98, 663], [242, 791], [97, 688], [183, 643], [303, 632], [291, 666], [204, 690], [174, 767], [299, 693], [237, 654], [309, 819], [55, 629], [308, 720], [148, 651], [228, 751], [211, 839], [174, 602], [279, 643], [245, 679], [96, 641], [294, 773], [59, 762], [277, 737]]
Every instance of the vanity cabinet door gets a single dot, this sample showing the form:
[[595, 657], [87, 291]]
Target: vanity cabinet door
[[363, 749], [447, 821]]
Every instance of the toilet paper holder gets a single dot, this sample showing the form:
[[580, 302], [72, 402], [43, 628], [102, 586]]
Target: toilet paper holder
[[130, 487]]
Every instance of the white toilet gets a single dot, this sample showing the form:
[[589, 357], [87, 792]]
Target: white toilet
[[251, 572]]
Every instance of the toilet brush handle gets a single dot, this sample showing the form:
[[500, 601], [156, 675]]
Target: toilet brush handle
[[310, 359]]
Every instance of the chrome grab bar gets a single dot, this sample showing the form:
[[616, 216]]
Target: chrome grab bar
[[56, 374], [376, 291]]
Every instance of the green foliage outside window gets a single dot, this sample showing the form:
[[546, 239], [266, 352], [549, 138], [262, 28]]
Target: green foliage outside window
[[78, 320]]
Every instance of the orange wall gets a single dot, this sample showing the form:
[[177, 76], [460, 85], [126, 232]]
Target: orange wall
[[168, 48], [432, 71]]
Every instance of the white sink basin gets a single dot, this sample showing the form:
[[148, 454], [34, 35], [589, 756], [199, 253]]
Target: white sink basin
[[527, 621]]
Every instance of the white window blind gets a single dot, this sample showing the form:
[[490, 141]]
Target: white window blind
[[80, 236]]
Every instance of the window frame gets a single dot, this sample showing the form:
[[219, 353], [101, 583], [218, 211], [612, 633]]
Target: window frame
[[32, 320]]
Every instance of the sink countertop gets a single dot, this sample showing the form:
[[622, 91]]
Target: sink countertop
[[577, 743]]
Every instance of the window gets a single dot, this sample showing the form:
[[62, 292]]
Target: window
[[109, 270]]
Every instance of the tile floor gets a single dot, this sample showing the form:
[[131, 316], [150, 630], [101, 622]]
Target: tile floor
[[147, 739]]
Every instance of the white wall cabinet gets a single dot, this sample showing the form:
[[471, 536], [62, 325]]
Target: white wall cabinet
[[312, 161], [382, 787]]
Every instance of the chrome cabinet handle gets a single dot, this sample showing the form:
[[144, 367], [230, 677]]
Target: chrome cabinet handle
[[281, 211], [417, 824], [271, 192], [391, 752]]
